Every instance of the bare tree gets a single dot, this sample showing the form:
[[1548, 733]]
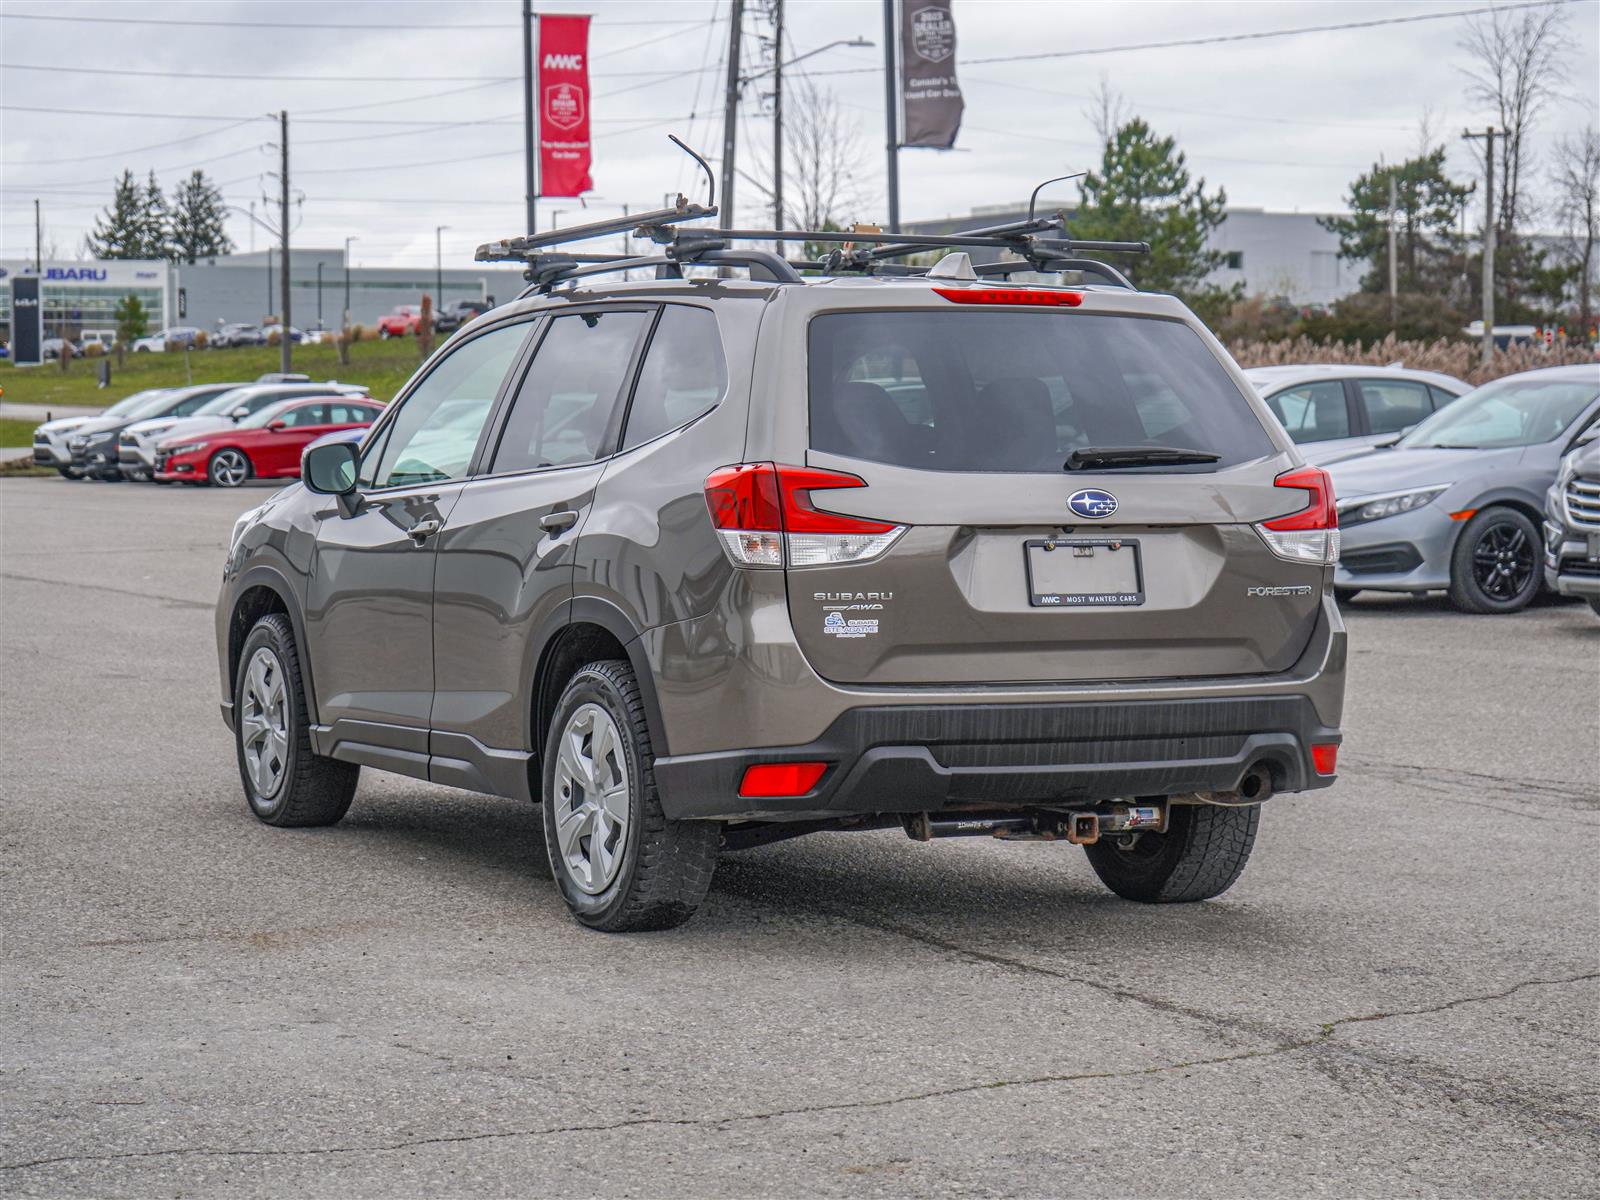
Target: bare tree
[[1518, 63], [1107, 112], [824, 159], [1576, 179]]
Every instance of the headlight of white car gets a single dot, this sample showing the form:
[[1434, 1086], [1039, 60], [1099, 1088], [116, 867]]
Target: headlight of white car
[[1361, 509]]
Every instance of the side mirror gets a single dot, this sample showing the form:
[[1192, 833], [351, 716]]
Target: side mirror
[[275, 426], [330, 469], [240, 413], [1590, 434]]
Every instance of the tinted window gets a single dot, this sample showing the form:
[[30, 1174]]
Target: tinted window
[[303, 415], [350, 414], [1312, 412], [433, 435], [1515, 411], [1394, 404], [683, 374], [1019, 391], [1440, 396], [568, 399]]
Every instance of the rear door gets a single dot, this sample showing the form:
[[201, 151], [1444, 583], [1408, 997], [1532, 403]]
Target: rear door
[[960, 422], [280, 452]]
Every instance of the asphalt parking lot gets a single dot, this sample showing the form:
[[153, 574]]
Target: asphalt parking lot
[[1398, 998]]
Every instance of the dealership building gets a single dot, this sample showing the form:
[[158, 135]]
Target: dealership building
[[79, 296]]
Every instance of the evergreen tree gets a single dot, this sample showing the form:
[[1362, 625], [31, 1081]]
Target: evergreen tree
[[1144, 192], [131, 319], [155, 218], [119, 231], [1427, 225], [197, 229]]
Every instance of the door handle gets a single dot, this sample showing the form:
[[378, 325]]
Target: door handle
[[557, 521], [424, 529]]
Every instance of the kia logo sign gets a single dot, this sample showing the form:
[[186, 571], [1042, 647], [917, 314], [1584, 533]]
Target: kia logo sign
[[1093, 503]]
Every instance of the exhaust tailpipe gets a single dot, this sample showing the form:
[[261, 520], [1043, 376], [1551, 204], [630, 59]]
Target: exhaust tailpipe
[[1255, 786]]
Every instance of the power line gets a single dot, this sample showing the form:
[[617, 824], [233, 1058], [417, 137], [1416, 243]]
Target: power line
[[299, 26], [78, 158], [1228, 37], [57, 68]]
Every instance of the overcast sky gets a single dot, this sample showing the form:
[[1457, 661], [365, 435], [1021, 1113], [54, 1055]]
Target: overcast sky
[[1282, 123]]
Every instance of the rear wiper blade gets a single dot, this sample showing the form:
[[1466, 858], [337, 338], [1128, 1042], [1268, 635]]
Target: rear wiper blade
[[1112, 457]]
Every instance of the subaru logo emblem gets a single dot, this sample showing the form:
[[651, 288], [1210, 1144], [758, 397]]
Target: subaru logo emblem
[[1093, 503]]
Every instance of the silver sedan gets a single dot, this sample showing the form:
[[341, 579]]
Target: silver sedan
[[1456, 505]]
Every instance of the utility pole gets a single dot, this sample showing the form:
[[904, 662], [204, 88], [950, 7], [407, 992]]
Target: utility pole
[[347, 242], [38, 241], [891, 110], [530, 168], [777, 117], [730, 112], [1394, 272], [438, 267], [285, 342], [270, 306], [1488, 237]]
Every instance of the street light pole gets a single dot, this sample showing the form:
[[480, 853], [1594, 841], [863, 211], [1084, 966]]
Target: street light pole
[[347, 242], [438, 267], [319, 295], [777, 116]]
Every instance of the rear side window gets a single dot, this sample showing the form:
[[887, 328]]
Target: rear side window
[[569, 396], [304, 415], [1394, 404], [683, 374], [1019, 391], [1312, 412]]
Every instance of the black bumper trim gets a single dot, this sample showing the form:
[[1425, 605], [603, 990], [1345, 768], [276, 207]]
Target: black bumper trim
[[917, 758]]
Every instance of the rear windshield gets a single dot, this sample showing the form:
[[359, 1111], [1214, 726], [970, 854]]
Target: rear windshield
[[1019, 391]]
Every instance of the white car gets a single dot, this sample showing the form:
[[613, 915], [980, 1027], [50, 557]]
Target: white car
[[136, 445], [50, 439], [157, 342], [1335, 411], [227, 409]]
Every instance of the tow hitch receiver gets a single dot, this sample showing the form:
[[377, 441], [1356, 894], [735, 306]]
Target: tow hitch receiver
[[1082, 828]]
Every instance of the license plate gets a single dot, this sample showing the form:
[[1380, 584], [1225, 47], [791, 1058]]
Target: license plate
[[1594, 547], [1084, 572]]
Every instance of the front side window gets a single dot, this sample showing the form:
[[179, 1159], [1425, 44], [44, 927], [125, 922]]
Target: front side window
[[683, 374], [432, 437], [1515, 411], [1312, 412], [564, 409], [1394, 404], [1020, 391]]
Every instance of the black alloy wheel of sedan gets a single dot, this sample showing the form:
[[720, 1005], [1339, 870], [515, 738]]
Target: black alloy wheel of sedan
[[1495, 567]]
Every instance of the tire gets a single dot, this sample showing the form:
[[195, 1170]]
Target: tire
[[1200, 856], [70, 473], [1594, 603], [1495, 566], [271, 730], [657, 871], [383, 334], [1345, 594], [229, 468]]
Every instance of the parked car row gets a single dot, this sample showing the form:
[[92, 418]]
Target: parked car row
[[219, 433], [406, 320]]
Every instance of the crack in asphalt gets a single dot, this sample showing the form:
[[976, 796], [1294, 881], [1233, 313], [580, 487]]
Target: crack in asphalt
[[1515, 785], [1325, 1032], [115, 591]]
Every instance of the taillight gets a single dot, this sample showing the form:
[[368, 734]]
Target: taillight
[[1325, 757], [1010, 296], [1310, 534], [765, 517]]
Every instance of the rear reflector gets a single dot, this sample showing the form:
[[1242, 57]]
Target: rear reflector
[[1325, 757], [765, 517], [1309, 534], [1010, 296], [769, 780]]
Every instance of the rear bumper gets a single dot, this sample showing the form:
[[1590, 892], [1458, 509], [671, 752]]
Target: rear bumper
[[918, 758]]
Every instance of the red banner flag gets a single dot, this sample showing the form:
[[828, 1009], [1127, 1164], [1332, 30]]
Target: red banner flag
[[564, 106]]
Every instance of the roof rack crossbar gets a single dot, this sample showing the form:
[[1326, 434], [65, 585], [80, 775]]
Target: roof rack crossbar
[[1089, 266], [517, 249]]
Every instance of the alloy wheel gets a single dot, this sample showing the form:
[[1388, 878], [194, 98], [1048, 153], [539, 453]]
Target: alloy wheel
[[264, 723], [591, 799], [1503, 561], [229, 468]]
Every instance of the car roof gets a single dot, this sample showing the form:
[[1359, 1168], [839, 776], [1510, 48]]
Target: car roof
[[1290, 374]]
